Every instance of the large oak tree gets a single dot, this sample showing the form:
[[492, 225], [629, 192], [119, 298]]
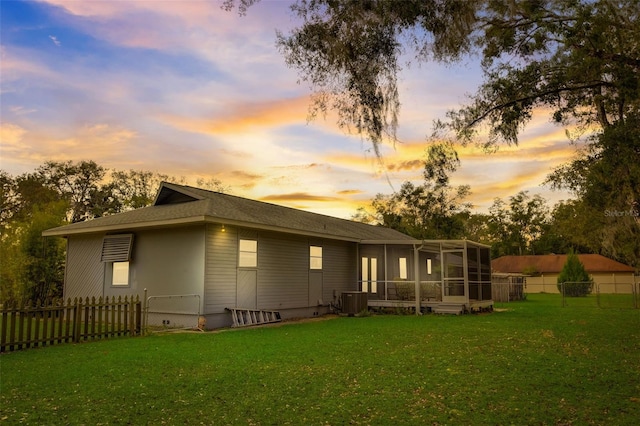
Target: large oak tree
[[576, 60]]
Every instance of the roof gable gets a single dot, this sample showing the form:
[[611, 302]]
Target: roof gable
[[168, 194], [553, 263]]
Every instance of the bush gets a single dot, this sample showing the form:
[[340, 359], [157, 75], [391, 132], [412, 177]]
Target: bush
[[574, 277]]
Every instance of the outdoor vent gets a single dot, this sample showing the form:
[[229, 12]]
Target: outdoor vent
[[117, 248], [354, 302]]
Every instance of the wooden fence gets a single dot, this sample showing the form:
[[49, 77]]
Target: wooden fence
[[54, 322]]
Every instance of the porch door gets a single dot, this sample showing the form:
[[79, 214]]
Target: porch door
[[247, 296], [369, 272], [453, 276]]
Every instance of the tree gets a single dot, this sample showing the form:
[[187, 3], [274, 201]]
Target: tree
[[364, 215], [605, 178], [574, 280], [434, 209], [476, 228], [578, 60], [9, 199], [348, 51], [44, 257], [32, 267], [135, 188], [81, 185], [517, 228], [212, 184], [573, 225]]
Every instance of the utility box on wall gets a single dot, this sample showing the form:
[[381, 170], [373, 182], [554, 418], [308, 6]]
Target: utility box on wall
[[354, 302]]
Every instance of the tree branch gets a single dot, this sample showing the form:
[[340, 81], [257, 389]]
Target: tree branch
[[533, 97]]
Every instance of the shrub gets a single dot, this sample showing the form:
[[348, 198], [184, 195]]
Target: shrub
[[575, 278]]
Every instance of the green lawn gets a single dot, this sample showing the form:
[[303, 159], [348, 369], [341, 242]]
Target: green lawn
[[532, 363]]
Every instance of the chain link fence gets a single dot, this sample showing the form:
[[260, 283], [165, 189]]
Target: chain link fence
[[602, 295]]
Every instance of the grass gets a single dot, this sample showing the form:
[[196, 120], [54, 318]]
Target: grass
[[531, 362]]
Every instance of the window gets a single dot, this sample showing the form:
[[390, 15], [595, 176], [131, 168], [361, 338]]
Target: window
[[370, 274], [248, 254], [120, 274], [403, 268], [365, 274], [374, 275], [116, 254], [315, 257], [429, 266]]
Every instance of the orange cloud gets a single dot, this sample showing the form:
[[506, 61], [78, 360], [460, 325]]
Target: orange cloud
[[240, 118], [109, 144], [350, 192], [299, 196]]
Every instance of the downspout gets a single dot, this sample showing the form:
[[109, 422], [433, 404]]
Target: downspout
[[416, 274]]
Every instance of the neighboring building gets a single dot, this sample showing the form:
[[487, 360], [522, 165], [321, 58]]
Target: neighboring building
[[609, 275], [197, 253], [507, 287]]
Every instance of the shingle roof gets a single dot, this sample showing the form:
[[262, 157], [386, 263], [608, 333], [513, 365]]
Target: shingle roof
[[178, 204], [553, 263]]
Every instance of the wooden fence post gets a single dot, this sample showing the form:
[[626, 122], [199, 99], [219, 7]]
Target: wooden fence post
[[77, 317], [3, 330], [68, 315], [127, 317], [138, 316], [28, 317]]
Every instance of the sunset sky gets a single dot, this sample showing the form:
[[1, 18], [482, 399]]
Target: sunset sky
[[186, 89]]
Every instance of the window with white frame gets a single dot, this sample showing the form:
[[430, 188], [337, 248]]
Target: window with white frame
[[120, 274], [369, 274], [248, 254], [315, 257], [403, 268]]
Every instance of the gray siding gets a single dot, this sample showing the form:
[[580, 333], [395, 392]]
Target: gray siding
[[84, 270], [283, 271], [220, 269], [166, 261], [340, 269]]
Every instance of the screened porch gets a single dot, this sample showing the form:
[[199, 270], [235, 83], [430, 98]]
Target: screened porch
[[433, 275]]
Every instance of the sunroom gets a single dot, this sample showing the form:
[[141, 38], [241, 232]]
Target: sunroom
[[440, 276]]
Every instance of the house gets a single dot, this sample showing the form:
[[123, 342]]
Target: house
[[196, 254], [609, 276]]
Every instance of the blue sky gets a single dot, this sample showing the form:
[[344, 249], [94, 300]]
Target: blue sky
[[186, 89]]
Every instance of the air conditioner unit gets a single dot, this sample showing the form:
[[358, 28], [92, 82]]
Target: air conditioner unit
[[354, 302]]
